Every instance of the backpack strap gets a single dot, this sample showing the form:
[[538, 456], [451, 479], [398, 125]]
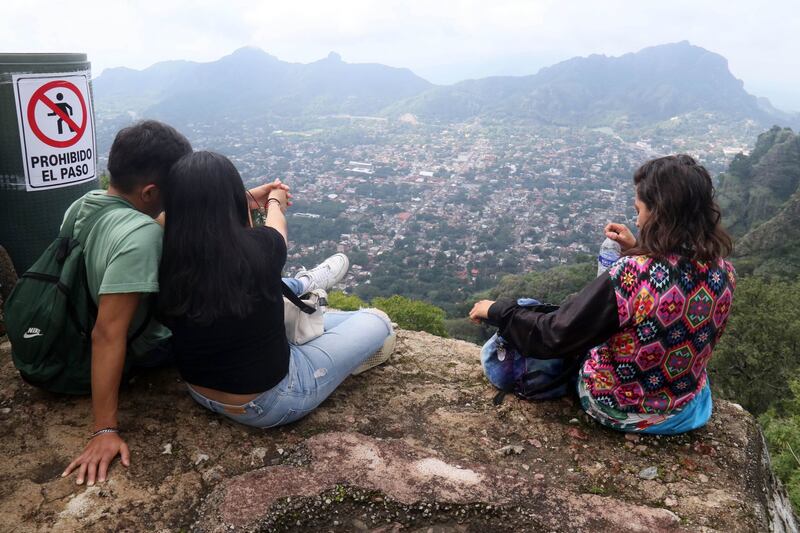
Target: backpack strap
[[68, 226], [81, 237], [292, 297], [90, 222]]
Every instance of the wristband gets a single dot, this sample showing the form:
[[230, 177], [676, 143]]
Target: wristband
[[103, 431], [274, 200]]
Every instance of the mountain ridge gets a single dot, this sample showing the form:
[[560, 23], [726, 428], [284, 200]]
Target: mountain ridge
[[634, 89], [250, 81], [653, 84]]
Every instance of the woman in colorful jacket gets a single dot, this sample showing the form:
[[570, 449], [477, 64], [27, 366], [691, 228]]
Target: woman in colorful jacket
[[648, 326]]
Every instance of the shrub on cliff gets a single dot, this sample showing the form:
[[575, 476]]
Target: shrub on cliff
[[552, 285], [413, 314], [345, 302], [757, 356], [464, 329], [409, 314], [782, 430]]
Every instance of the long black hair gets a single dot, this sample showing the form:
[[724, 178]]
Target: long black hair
[[684, 216], [209, 265]]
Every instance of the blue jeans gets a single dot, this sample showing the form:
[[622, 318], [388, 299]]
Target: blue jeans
[[295, 284], [316, 368]]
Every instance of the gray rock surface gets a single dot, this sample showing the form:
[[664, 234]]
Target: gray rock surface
[[409, 446]]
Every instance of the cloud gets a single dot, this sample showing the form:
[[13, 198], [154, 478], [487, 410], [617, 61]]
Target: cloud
[[445, 40]]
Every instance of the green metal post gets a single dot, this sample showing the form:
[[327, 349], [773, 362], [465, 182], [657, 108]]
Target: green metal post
[[29, 221]]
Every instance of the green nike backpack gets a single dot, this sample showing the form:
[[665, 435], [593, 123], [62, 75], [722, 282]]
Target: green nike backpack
[[50, 314]]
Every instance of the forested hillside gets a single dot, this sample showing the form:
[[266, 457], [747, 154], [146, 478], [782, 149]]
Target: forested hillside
[[760, 200]]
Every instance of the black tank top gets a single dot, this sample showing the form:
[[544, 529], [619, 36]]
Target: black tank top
[[239, 355]]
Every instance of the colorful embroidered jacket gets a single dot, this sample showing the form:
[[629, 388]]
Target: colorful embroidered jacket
[[649, 326]]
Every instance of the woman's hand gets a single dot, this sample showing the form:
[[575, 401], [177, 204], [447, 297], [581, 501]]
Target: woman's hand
[[261, 193], [282, 196], [93, 463], [621, 234], [480, 311]]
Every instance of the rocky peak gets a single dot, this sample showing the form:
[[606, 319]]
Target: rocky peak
[[412, 445]]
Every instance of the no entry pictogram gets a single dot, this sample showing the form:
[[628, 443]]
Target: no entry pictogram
[[58, 111], [56, 128]]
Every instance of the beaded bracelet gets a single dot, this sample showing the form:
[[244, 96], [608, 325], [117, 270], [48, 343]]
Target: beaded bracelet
[[103, 431]]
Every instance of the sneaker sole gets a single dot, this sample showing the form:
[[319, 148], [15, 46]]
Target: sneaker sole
[[379, 357]]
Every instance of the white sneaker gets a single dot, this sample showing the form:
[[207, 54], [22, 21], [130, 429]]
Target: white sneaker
[[327, 274]]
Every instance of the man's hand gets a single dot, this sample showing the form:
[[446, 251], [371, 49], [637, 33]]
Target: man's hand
[[261, 193], [93, 463], [480, 311], [109, 341], [621, 234]]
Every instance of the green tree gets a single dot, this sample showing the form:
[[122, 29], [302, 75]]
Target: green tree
[[413, 314], [757, 356]]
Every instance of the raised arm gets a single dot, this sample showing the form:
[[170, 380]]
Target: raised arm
[[276, 195], [276, 206]]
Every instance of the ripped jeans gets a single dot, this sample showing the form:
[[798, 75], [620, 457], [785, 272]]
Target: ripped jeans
[[316, 368]]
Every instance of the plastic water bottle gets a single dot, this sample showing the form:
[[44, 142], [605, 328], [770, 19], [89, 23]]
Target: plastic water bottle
[[610, 251]]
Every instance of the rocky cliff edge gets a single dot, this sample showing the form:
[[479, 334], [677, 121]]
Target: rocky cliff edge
[[414, 445]]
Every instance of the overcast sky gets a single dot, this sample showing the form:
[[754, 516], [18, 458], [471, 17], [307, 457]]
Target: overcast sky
[[441, 41]]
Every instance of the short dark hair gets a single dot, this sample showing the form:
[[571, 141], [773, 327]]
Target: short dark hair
[[144, 153], [684, 216]]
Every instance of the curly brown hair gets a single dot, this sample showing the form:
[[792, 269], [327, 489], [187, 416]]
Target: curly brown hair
[[684, 216]]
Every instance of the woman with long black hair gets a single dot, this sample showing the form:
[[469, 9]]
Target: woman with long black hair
[[221, 295]]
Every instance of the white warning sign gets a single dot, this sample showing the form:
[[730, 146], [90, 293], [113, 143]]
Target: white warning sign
[[56, 129]]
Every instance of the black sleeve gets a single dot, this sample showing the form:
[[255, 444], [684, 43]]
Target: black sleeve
[[583, 321], [274, 245]]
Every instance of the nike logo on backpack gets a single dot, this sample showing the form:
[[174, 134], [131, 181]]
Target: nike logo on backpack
[[32, 332]]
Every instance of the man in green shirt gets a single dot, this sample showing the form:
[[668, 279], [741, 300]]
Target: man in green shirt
[[122, 256]]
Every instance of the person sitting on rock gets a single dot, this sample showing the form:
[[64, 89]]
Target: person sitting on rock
[[221, 294], [122, 254], [648, 326]]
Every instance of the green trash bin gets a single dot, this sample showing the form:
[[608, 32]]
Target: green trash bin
[[55, 147]]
